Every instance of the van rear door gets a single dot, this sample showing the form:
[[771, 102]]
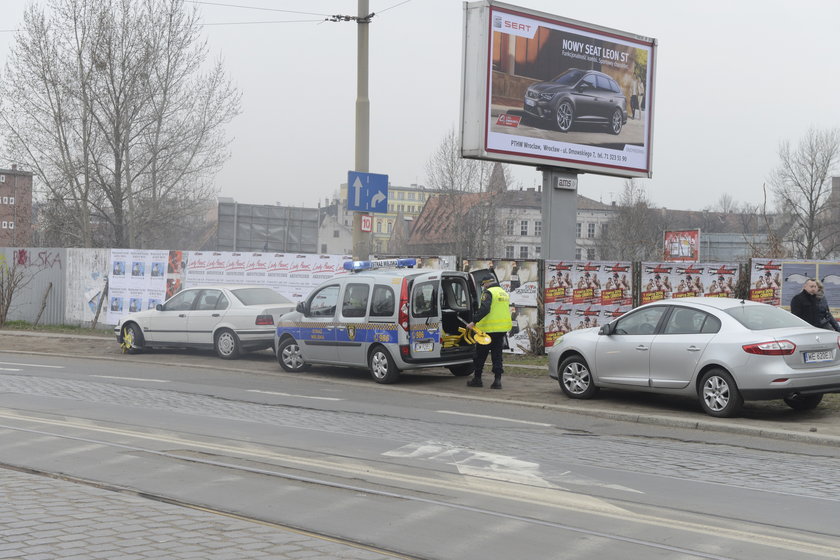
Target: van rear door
[[424, 316]]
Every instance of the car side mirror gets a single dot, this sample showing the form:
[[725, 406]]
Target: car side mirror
[[606, 329], [159, 307], [582, 86], [301, 307]]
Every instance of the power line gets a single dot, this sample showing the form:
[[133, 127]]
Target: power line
[[255, 8]]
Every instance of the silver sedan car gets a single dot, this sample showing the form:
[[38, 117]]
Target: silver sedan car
[[721, 351]]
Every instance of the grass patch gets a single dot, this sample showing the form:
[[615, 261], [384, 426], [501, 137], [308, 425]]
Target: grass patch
[[62, 329]]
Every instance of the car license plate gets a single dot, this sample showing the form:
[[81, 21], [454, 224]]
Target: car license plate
[[825, 356], [530, 102], [423, 346]]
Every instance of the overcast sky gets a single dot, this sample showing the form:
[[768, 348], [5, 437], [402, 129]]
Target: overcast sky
[[734, 78]]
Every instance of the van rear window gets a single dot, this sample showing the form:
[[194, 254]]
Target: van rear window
[[424, 300]]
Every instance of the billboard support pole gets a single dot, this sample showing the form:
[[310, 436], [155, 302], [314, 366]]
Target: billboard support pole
[[361, 240], [559, 211]]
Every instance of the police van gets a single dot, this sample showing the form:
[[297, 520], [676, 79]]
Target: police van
[[385, 316]]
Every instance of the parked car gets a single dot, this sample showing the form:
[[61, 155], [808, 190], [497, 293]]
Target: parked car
[[228, 318], [578, 96], [386, 319], [718, 350]]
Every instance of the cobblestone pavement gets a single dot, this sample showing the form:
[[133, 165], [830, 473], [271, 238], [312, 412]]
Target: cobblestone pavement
[[44, 519]]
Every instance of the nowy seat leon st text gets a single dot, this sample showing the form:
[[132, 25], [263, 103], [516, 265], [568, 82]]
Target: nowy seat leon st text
[[578, 96]]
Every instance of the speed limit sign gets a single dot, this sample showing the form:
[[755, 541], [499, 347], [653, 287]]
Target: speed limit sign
[[367, 223]]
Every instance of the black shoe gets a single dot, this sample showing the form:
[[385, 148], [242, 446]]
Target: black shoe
[[475, 382], [497, 384]]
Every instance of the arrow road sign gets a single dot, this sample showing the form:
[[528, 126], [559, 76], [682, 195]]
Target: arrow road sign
[[367, 192]]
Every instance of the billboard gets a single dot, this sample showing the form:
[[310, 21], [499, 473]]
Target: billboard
[[538, 89], [682, 245]]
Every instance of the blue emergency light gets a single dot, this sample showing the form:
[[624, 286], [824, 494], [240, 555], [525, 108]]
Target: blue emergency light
[[358, 266]]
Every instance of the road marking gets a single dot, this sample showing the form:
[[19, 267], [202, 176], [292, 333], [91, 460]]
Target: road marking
[[493, 418], [9, 369], [31, 365], [291, 395], [132, 378]]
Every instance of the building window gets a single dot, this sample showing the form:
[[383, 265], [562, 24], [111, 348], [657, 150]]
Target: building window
[[11, 225], [391, 208], [508, 251], [400, 195], [11, 200], [590, 254], [538, 228], [604, 230], [590, 231], [509, 227], [335, 233], [422, 196], [323, 248], [378, 226], [577, 253], [5, 200], [538, 251], [523, 227], [411, 196], [523, 252], [578, 230], [5, 225], [390, 226]]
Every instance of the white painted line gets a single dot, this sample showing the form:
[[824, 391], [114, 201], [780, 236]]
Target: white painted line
[[31, 365], [9, 369], [295, 396], [131, 378], [493, 418]]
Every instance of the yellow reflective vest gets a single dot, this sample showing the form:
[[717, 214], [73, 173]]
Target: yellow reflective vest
[[498, 320]]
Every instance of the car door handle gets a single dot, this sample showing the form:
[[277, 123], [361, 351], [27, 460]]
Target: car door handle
[[642, 347], [215, 315], [182, 315], [693, 349]]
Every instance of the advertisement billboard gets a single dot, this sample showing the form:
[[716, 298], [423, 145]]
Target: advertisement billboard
[[538, 89], [682, 245]]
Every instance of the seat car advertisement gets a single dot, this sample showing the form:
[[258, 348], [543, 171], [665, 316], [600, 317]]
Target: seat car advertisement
[[544, 90]]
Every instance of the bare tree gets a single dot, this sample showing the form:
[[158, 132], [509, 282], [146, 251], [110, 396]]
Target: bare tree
[[108, 103], [802, 188], [472, 190], [636, 232], [13, 278]]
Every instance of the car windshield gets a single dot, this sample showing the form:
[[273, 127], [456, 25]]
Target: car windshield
[[569, 77], [258, 296], [762, 317]]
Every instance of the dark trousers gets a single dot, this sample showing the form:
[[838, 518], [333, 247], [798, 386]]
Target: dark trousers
[[497, 341]]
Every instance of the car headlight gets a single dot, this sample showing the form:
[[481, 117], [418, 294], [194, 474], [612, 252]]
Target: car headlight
[[546, 96]]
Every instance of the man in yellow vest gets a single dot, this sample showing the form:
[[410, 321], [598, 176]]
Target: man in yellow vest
[[492, 317]]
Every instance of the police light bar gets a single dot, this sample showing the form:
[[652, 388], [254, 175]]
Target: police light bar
[[357, 266]]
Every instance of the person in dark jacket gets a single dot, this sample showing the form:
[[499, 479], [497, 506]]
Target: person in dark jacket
[[494, 318], [805, 305], [827, 320]]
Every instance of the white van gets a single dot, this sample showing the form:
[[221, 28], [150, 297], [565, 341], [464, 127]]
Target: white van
[[385, 319]]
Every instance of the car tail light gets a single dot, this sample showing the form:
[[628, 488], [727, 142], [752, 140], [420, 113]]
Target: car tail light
[[264, 320], [774, 348], [405, 350], [403, 315]]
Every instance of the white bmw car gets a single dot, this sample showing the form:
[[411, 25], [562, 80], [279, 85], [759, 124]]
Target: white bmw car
[[228, 318], [721, 351]]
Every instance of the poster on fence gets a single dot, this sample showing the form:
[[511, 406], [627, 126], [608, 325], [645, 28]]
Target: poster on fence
[[519, 278], [137, 281], [776, 281], [679, 280], [588, 282]]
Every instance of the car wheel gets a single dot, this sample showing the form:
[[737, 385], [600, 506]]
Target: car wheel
[[132, 339], [804, 402], [576, 379], [719, 396], [615, 122], [382, 366], [227, 344], [288, 355], [564, 115], [462, 369]]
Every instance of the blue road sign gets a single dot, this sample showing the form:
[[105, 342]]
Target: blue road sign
[[367, 192]]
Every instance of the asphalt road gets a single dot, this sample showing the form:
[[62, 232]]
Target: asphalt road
[[771, 419]]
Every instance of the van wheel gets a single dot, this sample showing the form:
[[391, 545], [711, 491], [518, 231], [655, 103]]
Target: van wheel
[[462, 369], [288, 355], [382, 366]]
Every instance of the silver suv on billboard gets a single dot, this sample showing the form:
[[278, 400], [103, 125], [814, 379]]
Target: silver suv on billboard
[[578, 96]]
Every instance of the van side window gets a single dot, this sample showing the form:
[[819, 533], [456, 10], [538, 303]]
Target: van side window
[[454, 294], [424, 300], [355, 300], [323, 302], [383, 301]]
